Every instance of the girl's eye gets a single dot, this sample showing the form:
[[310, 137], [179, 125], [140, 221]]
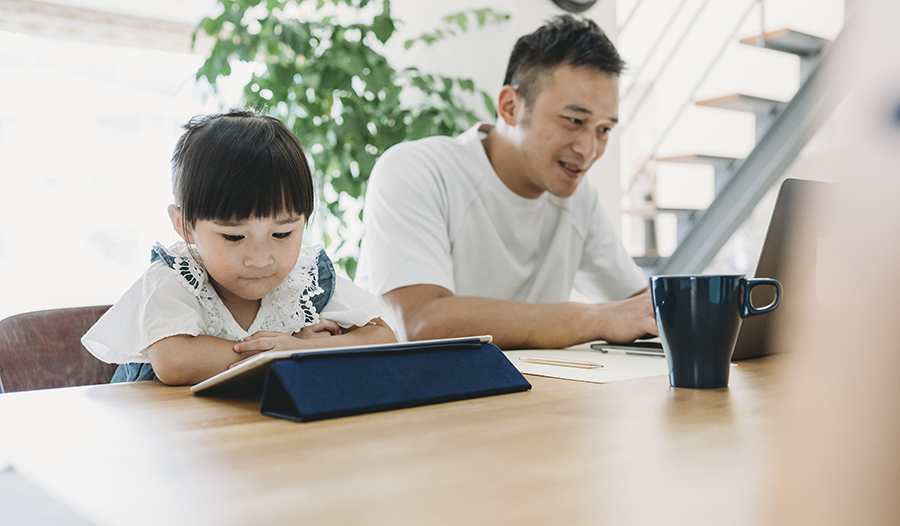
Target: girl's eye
[[233, 239], [281, 235]]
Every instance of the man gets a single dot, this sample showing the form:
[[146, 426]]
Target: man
[[487, 233]]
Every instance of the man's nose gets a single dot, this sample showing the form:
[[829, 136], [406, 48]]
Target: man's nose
[[586, 145]]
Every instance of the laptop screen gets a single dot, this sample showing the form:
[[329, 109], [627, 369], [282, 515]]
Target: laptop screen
[[795, 248]]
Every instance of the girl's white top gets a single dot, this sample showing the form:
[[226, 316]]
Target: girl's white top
[[168, 301]]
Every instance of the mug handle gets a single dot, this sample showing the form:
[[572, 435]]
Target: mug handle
[[747, 308]]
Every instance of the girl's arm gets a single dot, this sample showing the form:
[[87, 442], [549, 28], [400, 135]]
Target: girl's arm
[[187, 360], [374, 332]]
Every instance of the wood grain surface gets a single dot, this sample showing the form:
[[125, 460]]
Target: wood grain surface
[[566, 452]]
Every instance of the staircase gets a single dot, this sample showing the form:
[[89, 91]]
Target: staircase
[[782, 129]]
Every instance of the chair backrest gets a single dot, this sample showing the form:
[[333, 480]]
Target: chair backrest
[[42, 350]]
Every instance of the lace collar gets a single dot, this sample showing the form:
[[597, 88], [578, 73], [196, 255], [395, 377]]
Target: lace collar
[[286, 309]]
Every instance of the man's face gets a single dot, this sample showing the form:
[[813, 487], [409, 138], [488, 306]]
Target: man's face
[[565, 130]]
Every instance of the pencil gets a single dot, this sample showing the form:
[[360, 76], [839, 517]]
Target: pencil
[[580, 364]]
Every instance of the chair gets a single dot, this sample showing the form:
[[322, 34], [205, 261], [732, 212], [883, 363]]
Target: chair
[[42, 350]]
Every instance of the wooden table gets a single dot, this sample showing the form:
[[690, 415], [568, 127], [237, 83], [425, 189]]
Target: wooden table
[[633, 452]]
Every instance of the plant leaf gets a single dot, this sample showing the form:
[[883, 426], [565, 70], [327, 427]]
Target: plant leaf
[[338, 93]]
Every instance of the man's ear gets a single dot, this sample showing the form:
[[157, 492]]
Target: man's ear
[[178, 224], [510, 105]]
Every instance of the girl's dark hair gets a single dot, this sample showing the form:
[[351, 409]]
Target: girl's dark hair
[[563, 40], [237, 165]]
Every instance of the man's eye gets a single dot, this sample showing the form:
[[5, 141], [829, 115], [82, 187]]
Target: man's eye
[[576, 122], [281, 235], [232, 238]]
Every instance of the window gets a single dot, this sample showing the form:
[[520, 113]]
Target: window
[[86, 134]]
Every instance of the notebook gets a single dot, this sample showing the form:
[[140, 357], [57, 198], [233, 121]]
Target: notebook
[[794, 245]]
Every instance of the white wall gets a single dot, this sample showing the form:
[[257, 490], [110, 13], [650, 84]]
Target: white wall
[[482, 55], [110, 120]]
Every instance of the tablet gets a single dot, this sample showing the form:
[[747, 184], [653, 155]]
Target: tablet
[[253, 370]]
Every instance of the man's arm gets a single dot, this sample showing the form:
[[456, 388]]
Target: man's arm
[[430, 311]]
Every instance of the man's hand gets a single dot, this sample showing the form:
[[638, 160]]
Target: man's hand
[[629, 319]]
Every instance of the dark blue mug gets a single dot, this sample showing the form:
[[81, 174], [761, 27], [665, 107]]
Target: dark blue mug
[[698, 318]]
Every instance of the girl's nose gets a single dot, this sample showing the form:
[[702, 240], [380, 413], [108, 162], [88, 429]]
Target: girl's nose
[[258, 256]]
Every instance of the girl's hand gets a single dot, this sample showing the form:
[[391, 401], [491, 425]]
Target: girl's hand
[[277, 341], [323, 329], [267, 341]]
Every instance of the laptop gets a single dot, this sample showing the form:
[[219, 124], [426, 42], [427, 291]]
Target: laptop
[[790, 254]]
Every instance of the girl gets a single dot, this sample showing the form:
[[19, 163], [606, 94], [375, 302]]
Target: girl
[[240, 283]]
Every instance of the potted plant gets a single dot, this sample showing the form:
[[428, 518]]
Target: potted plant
[[322, 70]]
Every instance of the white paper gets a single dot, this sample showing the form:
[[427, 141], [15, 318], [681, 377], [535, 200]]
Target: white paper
[[615, 366]]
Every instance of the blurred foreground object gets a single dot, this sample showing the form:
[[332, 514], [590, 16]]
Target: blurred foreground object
[[836, 459]]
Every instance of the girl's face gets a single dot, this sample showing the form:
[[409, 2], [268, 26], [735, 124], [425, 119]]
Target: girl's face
[[245, 259]]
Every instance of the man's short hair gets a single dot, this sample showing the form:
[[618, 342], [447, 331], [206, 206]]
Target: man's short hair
[[563, 40]]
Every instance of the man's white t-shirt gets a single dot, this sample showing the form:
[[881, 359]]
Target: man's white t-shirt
[[436, 213]]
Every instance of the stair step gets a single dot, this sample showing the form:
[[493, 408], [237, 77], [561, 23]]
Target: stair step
[[742, 102], [718, 162], [651, 209], [789, 41], [650, 261]]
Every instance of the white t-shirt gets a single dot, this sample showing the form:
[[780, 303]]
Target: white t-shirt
[[436, 213], [179, 299]]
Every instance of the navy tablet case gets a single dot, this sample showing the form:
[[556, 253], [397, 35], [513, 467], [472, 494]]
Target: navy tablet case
[[327, 385]]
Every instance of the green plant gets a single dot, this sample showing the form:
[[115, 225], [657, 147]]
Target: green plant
[[330, 82]]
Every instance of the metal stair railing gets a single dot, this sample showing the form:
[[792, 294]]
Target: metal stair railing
[[690, 98], [655, 47], [630, 16], [775, 152]]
